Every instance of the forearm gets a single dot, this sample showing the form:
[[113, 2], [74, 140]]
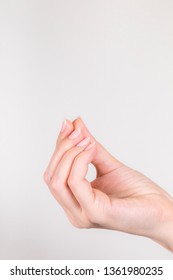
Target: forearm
[[163, 234]]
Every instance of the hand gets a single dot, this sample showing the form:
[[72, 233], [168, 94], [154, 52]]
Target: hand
[[120, 198]]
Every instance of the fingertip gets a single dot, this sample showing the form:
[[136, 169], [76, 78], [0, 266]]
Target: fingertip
[[63, 126], [78, 118], [69, 126], [78, 122], [66, 127]]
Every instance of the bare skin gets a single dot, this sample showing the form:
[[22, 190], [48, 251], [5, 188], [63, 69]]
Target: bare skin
[[119, 198]]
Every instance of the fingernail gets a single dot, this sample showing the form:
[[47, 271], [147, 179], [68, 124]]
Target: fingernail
[[90, 146], [63, 126], [75, 133], [83, 142]]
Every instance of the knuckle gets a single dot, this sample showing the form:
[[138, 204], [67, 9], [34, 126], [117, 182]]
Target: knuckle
[[62, 144], [71, 154], [78, 159], [46, 177], [72, 180], [68, 154], [54, 184]]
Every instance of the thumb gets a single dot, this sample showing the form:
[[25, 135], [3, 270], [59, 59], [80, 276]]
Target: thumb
[[102, 160]]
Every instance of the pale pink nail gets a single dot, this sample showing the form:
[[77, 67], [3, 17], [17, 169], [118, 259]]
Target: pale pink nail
[[63, 126], [75, 133], [90, 146], [83, 142]]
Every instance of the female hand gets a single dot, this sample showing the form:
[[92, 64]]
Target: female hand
[[120, 198]]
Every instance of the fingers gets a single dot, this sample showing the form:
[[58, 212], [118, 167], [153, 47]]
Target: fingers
[[66, 128], [77, 182], [69, 186], [70, 143], [92, 201], [103, 160], [59, 183], [60, 188], [68, 137], [65, 174]]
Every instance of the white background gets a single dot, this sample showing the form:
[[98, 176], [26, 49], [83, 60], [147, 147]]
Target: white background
[[110, 62]]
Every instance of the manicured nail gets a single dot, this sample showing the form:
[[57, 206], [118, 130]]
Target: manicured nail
[[63, 126], [90, 146], [83, 142], [75, 133]]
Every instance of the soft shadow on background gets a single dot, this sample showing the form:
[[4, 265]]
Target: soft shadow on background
[[111, 62]]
